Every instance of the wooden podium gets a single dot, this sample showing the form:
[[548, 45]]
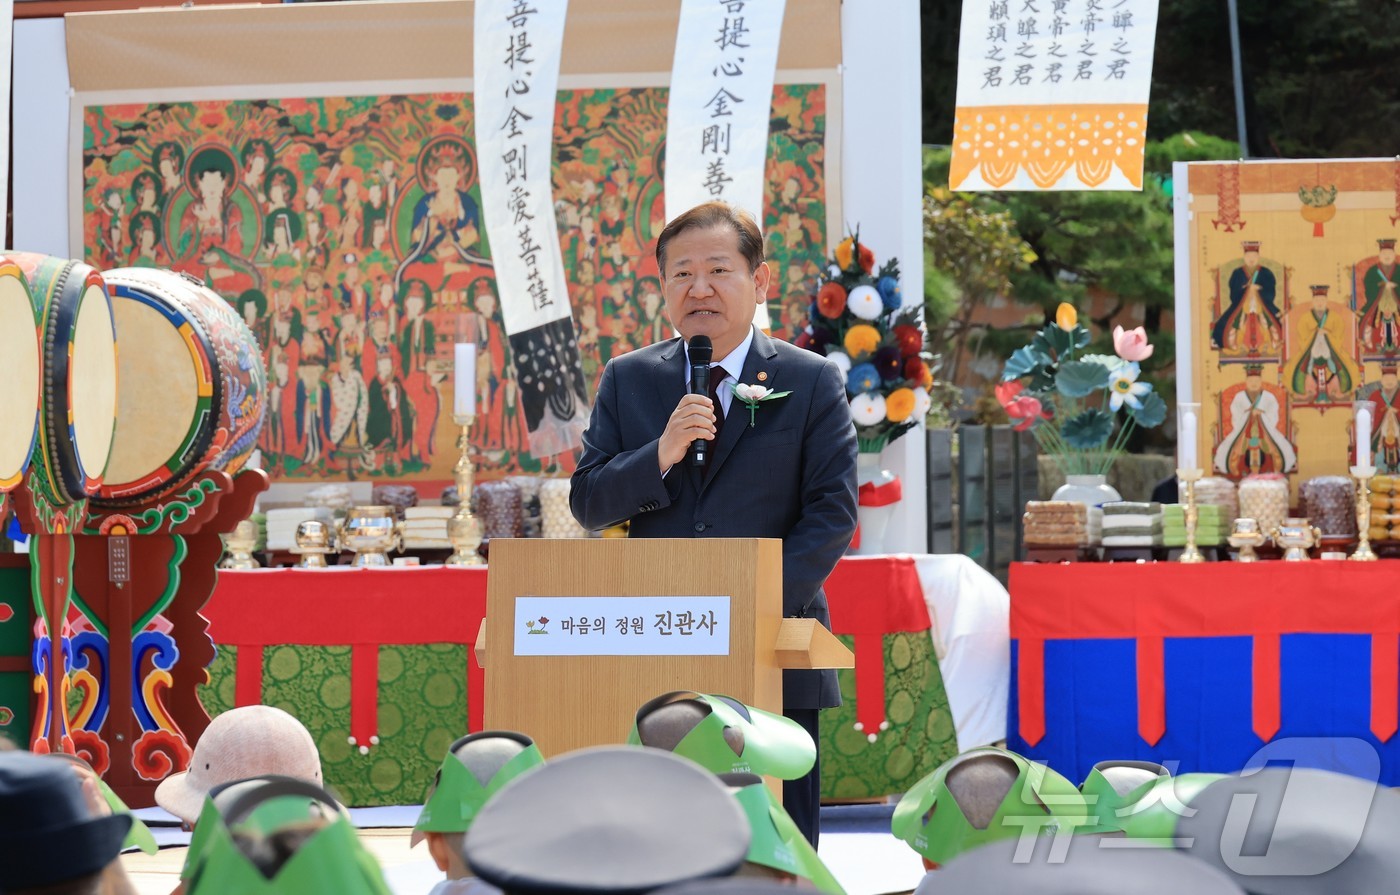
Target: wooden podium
[[567, 702]]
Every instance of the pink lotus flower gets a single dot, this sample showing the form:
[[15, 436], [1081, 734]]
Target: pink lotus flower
[[1131, 344], [1023, 409]]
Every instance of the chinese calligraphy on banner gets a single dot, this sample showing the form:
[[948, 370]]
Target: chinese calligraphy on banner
[[1052, 94], [518, 45], [717, 121]]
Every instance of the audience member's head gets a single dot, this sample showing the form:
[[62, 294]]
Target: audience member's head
[[140, 835], [724, 736], [614, 819], [1077, 865], [280, 835], [777, 849], [475, 768], [981, 796], [244, 742], [51, 839]]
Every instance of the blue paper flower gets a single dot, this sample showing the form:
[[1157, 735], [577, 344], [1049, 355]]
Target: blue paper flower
[[889, 293], [862, 378]]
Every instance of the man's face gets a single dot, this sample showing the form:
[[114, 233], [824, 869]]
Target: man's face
[[708, 288], [313, 279], [1251, 258], [1254, 383], [1387, 256], [211, 184], [1319, 302], [1388, 381]]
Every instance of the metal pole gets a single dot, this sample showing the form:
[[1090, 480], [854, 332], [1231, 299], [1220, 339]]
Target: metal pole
[[1238, 71]]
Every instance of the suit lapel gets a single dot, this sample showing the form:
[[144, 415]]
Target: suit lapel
[[762, 358]]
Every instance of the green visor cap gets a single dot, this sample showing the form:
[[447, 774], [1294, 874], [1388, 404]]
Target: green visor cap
[[140, 835], [264, 817], [769, 745], [330, 859], [776, 841], [1152, 811], [1109, 787], [457, 794], [981, 796]]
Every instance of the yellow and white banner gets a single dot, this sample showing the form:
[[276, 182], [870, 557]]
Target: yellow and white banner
[[515, 83], [718, 112], [1052, 94]]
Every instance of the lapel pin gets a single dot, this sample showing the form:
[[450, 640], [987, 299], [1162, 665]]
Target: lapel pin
[[762, 376]]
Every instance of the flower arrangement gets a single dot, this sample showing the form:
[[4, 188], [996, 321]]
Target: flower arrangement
[[857, 321], [1074, 404]]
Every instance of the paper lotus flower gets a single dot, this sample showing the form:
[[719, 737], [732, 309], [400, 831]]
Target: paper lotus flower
[[831, 300], [899, 405], [868, 409], [861, 340], [1066, 317], [862, 378], [889, 293], [865, 302], [910, 339], [842, 360], [922, 403], [1131, 344], [1125, 389], [751, 392]]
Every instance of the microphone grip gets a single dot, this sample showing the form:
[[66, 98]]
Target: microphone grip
[[699, 385]]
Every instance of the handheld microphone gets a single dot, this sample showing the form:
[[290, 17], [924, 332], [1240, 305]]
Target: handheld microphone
[[701, 351]]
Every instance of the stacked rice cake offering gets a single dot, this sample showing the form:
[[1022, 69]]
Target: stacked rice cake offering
[[1059, 523], [1211, 526], [1221, 492], [1385, 508], [282, 524], [425, 528], [1132, 524]]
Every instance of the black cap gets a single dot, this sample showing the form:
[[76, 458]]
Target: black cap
[[622, 820], [47, 833], [1282, 831], [1075, 865]]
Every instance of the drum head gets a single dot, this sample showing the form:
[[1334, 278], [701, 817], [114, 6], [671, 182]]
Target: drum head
[[21, 366], [161, 382], [92, 381]]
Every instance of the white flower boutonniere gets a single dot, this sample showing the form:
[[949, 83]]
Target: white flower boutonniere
[[754, 395]]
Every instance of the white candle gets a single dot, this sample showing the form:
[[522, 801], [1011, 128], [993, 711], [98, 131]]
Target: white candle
[[1187, 437], [1363, 436], [464, 399]]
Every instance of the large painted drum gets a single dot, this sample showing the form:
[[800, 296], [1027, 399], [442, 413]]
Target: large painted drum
[[192, 386], [21, 367], [79, 375]]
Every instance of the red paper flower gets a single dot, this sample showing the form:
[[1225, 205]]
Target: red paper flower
[[911, 341], [92, 749], [831, 300], [917, 372], [1023, 409], [867, 258]]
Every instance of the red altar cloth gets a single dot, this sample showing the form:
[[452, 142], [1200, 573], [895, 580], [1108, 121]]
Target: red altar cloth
[[359, 608], [869, 596], [1152, 601]]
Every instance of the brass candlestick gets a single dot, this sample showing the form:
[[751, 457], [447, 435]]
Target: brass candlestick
[[464, 529], [1363, 475], [1189, 478]]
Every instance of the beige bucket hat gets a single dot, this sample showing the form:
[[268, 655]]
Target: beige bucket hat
[[244, 742]]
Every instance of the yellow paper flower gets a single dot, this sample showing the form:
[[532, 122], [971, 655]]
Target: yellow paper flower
[[843, 252], [862, 340], [1066, 317], [899, 404]]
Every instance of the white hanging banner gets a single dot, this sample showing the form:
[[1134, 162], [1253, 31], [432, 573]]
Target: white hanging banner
[[516, 77], [720, 101], [1052, 94]]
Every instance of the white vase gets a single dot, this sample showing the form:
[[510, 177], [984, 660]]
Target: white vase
[[874, 521], [1090, 490]]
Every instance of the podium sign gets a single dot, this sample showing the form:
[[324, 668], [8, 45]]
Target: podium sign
[[622, 626]]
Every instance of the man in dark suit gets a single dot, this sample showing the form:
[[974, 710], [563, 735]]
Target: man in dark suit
[[789, 475]]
